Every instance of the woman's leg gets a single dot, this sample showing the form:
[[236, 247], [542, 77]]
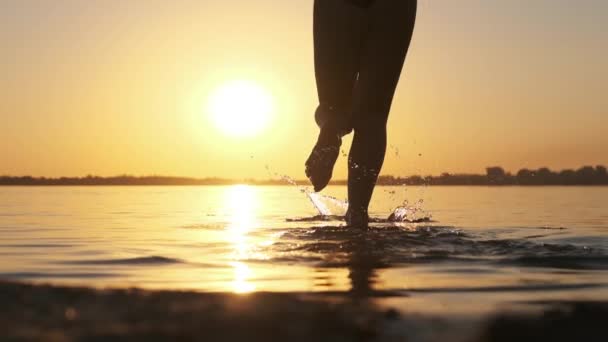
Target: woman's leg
[[387, 43], [338, 38]]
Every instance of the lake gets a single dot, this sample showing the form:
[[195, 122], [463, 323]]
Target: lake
[[472, 249]]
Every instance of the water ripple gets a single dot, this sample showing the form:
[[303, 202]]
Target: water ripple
[[332, 246], [151, 260]]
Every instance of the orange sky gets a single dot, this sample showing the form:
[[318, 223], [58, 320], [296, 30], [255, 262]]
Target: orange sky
[[114, 87]]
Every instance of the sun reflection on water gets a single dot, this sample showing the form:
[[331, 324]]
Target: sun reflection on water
[[242, 273], [242, 204]]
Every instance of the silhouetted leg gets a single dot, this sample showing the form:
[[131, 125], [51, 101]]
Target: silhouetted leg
[[391, 28], [338, 29]]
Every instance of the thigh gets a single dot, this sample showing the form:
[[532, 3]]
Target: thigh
[[338, 37], [387, 43]]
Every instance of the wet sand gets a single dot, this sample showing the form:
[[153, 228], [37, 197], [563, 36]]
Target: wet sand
[[51, 313]]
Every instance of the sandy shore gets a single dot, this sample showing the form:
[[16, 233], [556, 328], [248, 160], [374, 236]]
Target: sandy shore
[[40, 312]]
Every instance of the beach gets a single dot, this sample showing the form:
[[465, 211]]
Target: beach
[[41, 312]]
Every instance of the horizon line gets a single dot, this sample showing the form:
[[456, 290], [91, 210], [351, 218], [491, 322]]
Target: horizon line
[[586, 175], [280, 177]]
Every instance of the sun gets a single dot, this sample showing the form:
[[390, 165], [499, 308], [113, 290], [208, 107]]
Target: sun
[[240, 108]]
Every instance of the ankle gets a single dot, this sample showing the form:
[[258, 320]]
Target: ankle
[[357, 218], [329, 137]]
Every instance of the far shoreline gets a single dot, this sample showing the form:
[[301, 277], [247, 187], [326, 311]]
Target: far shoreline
[[494, 176]]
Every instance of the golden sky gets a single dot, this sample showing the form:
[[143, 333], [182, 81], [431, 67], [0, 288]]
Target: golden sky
[[122, 86]]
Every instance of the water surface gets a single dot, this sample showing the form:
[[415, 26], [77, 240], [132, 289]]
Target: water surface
[[477, 249]]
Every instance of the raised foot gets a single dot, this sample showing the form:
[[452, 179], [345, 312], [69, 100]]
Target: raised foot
[[320, 163]]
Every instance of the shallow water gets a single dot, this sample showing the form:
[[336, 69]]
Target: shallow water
[[482, 247]]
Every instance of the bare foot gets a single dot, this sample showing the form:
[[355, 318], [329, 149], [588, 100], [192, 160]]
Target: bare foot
[[320, 163]]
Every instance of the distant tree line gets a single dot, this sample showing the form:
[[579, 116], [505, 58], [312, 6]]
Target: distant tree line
[[117, 180], [587, 175], [130, 180]]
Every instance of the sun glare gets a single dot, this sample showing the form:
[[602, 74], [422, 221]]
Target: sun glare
[[241, 108]]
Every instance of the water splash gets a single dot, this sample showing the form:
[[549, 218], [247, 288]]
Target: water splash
[[406, 212], [315, 199], [322, 203], [410, 213], [331, 207]]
